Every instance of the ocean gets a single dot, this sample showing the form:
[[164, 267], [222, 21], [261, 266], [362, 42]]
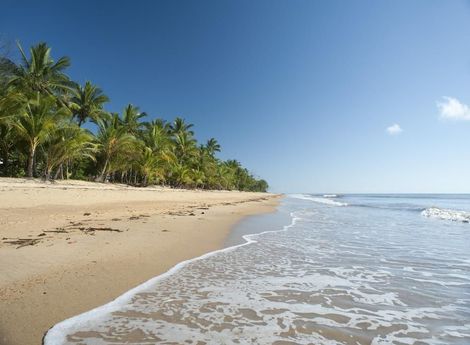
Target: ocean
[[324, 269]]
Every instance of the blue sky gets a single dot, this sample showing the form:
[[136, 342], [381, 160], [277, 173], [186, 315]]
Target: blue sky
[[301, 92]]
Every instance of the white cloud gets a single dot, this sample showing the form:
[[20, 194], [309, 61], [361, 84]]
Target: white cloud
[[451, 108], [394, 129]]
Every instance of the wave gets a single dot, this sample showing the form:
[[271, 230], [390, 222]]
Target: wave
[[326, 201], [57, 334], [446, 214], [330, 195]]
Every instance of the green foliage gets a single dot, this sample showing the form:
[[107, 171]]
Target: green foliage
[[87, 102], [41, 113]]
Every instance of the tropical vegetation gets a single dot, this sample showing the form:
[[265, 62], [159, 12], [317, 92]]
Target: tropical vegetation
[[52, 127]]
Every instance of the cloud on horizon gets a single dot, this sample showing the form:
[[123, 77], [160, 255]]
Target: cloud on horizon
[[452, 109], [394, 129]]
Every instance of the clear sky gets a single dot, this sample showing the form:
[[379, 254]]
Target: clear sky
[[314, 96]]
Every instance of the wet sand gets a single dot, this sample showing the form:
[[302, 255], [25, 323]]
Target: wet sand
[[71, 246]]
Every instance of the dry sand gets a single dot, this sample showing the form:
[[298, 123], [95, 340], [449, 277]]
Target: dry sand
[[70, 246]]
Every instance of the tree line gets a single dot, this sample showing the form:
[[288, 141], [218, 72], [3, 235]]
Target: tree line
[[42, 113]]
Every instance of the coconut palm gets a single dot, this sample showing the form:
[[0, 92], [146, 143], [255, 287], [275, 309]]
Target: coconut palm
[[179, 126], [212, 146], [87, 102], [131, 117], [156, 135], [40, 73], [114, 142], [68, 143], [41, 111], [36, 124], [185, 147], [148, 165], [181, 175]]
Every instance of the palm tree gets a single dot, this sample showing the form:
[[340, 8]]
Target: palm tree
[[185, 147], [181, 175], [180, 126], [36, 124], [114, 143], [156, 135], [41, 111], [67, 144], [131, 117], [39, 72], [87, 102], [212, 146], [148, 165], [157, 138]]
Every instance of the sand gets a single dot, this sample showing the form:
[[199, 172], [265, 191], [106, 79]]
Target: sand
[[70, 246]]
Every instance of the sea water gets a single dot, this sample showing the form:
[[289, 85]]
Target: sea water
[[326, 269]]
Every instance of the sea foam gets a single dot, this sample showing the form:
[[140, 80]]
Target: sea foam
[[320, 200], [330, 196], [337, 273], [445, 214]]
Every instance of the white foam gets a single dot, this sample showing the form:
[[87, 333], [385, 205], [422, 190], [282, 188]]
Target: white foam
[[326, 201], [57, 335], [315, 277], [445, 214], [330, 196]]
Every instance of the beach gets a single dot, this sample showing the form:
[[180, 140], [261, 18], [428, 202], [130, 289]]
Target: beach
[[323, 269], [70, 246]]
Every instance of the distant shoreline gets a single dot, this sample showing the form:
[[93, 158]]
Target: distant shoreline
[[70, 246]]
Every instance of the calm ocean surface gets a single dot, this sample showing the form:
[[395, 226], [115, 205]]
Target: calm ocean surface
[[352, 269]]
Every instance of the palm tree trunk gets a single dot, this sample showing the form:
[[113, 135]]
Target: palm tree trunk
[[103, 172], [47, 173], [32, 150], [57, 173]]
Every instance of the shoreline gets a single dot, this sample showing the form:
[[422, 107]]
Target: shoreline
[[57, 334], [104, 242]]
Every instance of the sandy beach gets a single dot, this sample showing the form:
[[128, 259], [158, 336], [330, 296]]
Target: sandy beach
[[70, 246]]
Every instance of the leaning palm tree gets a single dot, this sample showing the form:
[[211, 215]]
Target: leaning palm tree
[[36, 124], [68, 143], [87, 102], [114, 142], [40, 73]]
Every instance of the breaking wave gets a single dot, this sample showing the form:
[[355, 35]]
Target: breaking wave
[[445, 214], [320, 200]]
